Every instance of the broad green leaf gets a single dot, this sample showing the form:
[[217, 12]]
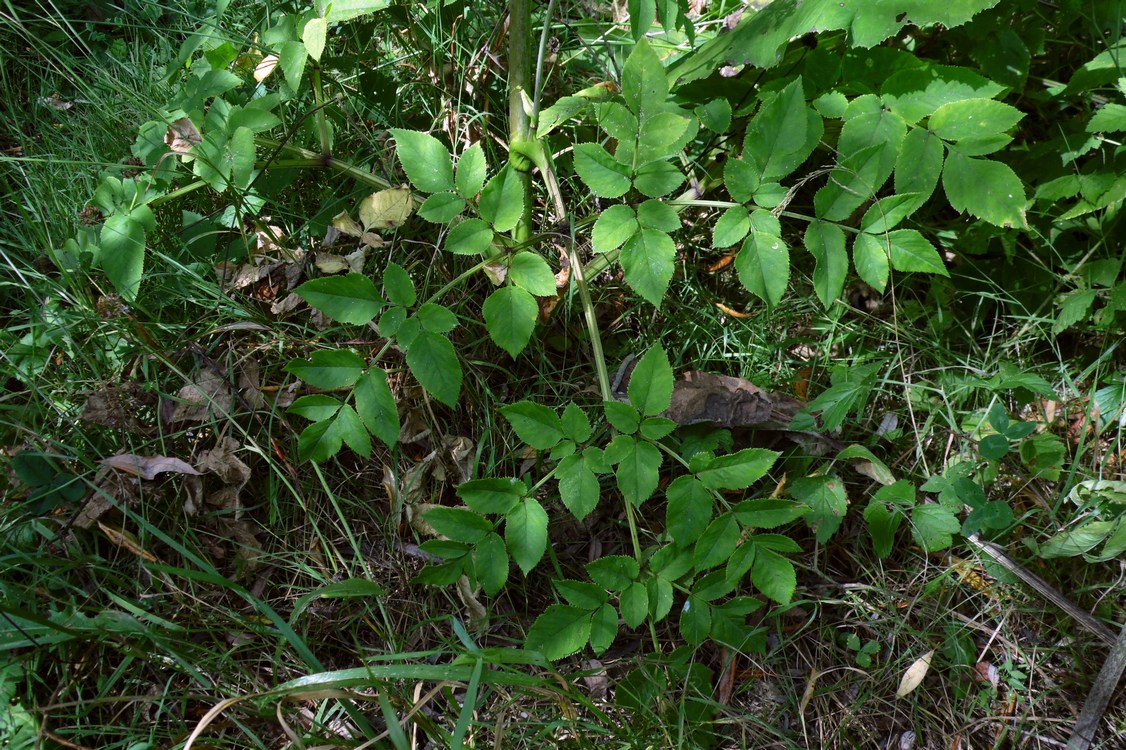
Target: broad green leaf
[[650, 385], [559, 632], [638, 470], [490, 564], [973, 118], [886, 213], [776, 137], [619, 123], [442, 208], [659, 136], [578, 486], [884, 514], [635, 604], [655, 428], [916, 92], [740, 562], [689, 510], [826, 243], [241, 147], [648, 263], [470, 237], [613, 228], [329, 369], [993, 447], [122, 254], [715, 115], [352, 431], [644, 84], [436, 318], [717, 543], [983, 188], [1078, 540], [433, 362], [510, 316], [603, 628], [1110, 119], [349, 299], [867, 464], [338, 11], [933, 526], [564, 109], [731, 227], [575, 423], [397, 285], [426, 161], [581, 594], [763, 265], [827, 501], [1074, 307], [852, 183], [376, 406], [319, 442], [622, 417], [655, 214], [605, 177], [768, 513], [530, 272], [660, 598], [291, 59], [613, 572], [492, 495], [535, 424], [918, 166], [737, 471], [386, 209], [458, 524], [642, 14], [870, 256], [911, 251], [741, 179], [313, 35], [765, 222], [774, 576], [470, 175], [695, 621], [657, 178], [525, 532], [315, 407], [502, 200]]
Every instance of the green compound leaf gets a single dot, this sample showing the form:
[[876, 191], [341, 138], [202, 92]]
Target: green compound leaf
[[648, 260], [689, 510], [576, 424], [613, 228], [530, 272], [397, 285], [918, 166], [470, 175], [560, 631], [470, 237], [731, 227], [650, 385], [376, 406], [319, 442], [639, 465], [741, 179], [911, 251], [510, 316], [525, 532], [535, 424], [826, 243], [458, 524], [716, 545], [490, 564], [329, 369], [657, 178], [122, 254], [655, 214], [426, 161], [578, 486], [635, 604], [737, 471], [870, 256], [349, 299], [433, 362], [613, 572], [933, 526], [973, 118], [605, 177], [825, 496], [645, 86], [352, 431], [442, 208], [984, 188], [315, 407], [502, 200], [776, 142], [774, 576], [492, 495], [763, 265]]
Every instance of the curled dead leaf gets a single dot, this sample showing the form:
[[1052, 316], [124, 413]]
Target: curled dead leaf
[[264, 68], [182, 136], [914, 675], [346, 224], [148, 467]]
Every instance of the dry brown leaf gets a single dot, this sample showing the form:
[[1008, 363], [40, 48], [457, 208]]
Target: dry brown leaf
[[352, 263], [249, 383], [56, 102], [147, 467], [478, 615], [914, 675], [124, 539], [495, 272], [208, 397], [386, 209], [119, 406], [346, 224], [231, 471], [182, 136], [598, 681]]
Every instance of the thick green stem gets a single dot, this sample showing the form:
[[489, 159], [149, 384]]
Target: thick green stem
[[519, 92]]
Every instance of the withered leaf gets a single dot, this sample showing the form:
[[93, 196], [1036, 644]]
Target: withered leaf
[[182, 135], [386, 209], [147, 467]]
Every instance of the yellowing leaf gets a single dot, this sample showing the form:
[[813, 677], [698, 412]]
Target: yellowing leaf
[[386, 209], [314, 37], [347, 224], [264, 68], [914, 675]]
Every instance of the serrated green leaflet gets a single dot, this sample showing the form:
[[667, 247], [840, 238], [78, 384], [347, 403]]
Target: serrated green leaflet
[[774, 576], [911, 251], [578, 486], [560, 631], [122, 254], [376, 406], [973, 118], [650, 385], [470, 175], [397, 285], [329, 369], [644, 85], [984, 188], [870, 257], [827, 501], [525, 533], [919, 165], [530, 272], [826, 243], [510, 317], [763, 265], [535, 424], [647, 260], [731, 227], [613, 228], [434, 363], [638, 469], [442, 208], [470, 237], [689, 509], [776, 137], [737, 471], [502, 200], [425, 160], [605, 177], [349, 299], [315, 407]]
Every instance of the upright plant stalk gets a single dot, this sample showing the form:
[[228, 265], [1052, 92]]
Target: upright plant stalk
[[519, 120]]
